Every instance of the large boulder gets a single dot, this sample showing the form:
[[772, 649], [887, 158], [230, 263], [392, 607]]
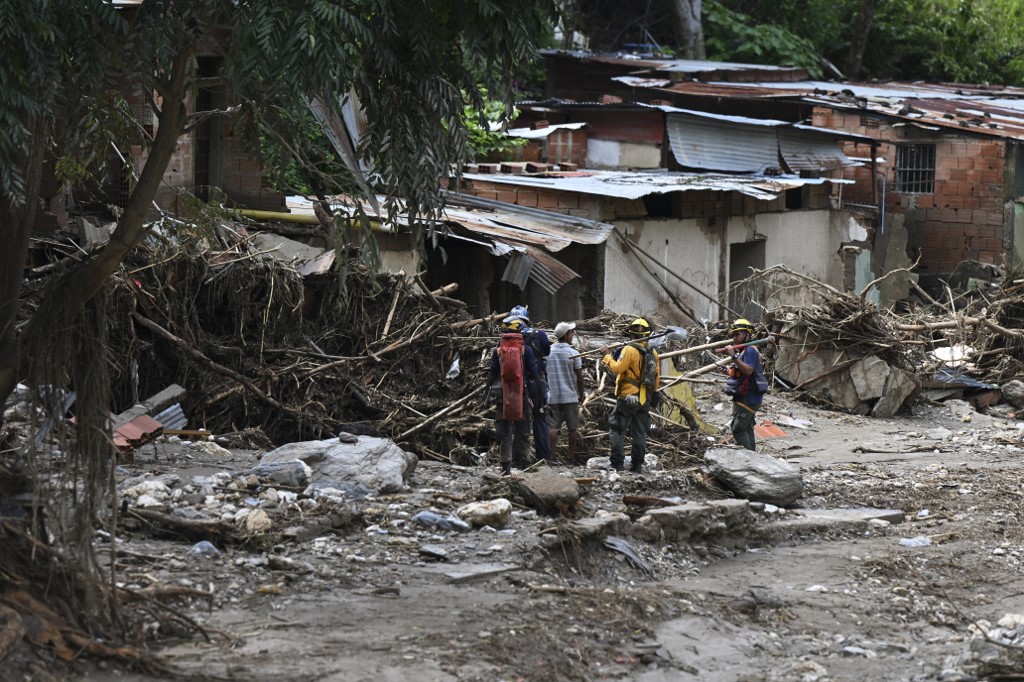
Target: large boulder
[[755, 476], [375, 463], [547, 492]]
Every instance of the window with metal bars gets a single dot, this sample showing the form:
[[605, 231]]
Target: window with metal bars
[[915, 168]]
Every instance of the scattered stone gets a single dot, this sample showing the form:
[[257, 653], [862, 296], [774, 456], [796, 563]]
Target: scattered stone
[[376, 463], [651, 463], [467, 572], [494, 513], [755, 476], [434, 552], [1013, 393], [287, 473], [204, 548]]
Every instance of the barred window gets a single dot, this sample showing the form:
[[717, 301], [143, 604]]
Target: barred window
[[915, 168]]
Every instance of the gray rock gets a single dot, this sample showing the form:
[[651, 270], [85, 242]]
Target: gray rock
[[1013, 393], [290, 473], [754, 476], [547, 492], [869, 376], [899, 388], [434, 552], [376, 463], [723, 522]]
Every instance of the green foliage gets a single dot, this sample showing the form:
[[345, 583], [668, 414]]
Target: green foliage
[[732, 36], [484, 142], [971, 41]]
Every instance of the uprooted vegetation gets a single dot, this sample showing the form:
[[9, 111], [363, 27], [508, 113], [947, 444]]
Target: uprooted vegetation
[[264, 349]]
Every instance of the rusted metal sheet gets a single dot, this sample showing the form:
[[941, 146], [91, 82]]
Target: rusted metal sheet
[[804, 151]]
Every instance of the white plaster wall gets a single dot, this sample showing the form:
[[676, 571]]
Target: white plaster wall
[[393, 261], [615, 154], [680, 246], [805, 241]]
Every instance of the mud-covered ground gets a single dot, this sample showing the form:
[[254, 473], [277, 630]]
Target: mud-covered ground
[[833, 602]]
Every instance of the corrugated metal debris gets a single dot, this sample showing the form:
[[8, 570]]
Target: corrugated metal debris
[[632, 185]]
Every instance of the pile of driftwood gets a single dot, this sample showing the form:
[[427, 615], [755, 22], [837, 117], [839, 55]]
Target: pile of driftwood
[[300, 354], [848, 353]]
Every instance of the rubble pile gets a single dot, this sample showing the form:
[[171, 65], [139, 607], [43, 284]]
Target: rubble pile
[[262, 343], [847, 353]]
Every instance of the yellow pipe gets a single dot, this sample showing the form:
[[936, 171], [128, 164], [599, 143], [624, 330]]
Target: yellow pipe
[[300, 218]]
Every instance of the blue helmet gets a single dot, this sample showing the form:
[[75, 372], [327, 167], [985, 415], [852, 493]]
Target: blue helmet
[[512, 324], [521, 312]]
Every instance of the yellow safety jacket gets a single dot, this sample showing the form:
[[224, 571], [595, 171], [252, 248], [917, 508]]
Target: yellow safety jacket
[[627, 370]]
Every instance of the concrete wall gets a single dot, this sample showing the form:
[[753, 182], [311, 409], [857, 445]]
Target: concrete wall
[[966, 218], [617, 155], [807, 241]]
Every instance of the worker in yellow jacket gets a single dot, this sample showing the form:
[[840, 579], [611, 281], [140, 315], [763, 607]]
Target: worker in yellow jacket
[[636, 391]]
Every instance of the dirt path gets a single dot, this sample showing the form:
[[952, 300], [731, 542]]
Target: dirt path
[[834, 603]]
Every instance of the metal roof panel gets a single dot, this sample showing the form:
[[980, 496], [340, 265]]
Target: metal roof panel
[[722, 145]]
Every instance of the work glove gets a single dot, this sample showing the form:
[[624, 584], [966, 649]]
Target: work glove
[[632, 400]]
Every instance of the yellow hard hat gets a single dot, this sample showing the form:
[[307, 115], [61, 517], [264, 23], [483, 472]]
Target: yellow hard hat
[[639, 327], [742, 325]]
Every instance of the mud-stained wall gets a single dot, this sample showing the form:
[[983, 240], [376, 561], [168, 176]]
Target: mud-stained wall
[[681, 246]]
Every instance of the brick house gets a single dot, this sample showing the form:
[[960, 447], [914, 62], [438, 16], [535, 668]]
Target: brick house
[[949, 177]]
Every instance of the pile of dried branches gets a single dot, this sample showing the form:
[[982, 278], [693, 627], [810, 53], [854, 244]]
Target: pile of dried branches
[[259, 346], [984, 327]]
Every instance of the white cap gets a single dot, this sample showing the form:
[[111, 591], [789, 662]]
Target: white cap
[[563, 328]]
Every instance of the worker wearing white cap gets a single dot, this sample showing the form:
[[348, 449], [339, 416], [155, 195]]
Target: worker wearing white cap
[[565, 385]]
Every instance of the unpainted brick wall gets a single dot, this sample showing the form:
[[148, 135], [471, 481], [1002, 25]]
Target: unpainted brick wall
[[963, 218]]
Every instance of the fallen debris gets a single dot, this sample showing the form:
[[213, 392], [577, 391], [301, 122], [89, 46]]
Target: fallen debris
[[755, 476]]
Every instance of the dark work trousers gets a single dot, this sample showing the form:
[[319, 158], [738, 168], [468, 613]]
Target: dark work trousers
[[634, 420], [743, 424], [541, 432]]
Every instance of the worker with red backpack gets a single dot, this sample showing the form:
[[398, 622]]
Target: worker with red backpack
[[512, 373], [540, 344], [746, 384], [636, 390]]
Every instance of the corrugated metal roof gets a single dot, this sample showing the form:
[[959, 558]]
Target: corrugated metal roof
[[682, 66], [721, 145], [549, 272], [544, 269], [524, 219], [984, 110], [746, 145], [541, 133], [626, 185], [804, 151]]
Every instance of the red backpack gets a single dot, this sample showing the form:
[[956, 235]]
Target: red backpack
[[510, 360]]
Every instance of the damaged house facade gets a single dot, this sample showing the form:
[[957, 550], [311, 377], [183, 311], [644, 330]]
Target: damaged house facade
[[720, 195], [945, 188]]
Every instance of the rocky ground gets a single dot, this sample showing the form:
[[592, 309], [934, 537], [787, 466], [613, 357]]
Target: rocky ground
[[350, 587]]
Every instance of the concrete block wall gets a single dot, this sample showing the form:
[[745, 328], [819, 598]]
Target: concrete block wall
[[963, 218], [569, 203], [242, 175]]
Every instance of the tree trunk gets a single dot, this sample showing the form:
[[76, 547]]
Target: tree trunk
[[82, 284], [16, 221], [689, 29], [858, 44]]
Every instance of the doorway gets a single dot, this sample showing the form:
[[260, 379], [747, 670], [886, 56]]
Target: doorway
[[746, 298]]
